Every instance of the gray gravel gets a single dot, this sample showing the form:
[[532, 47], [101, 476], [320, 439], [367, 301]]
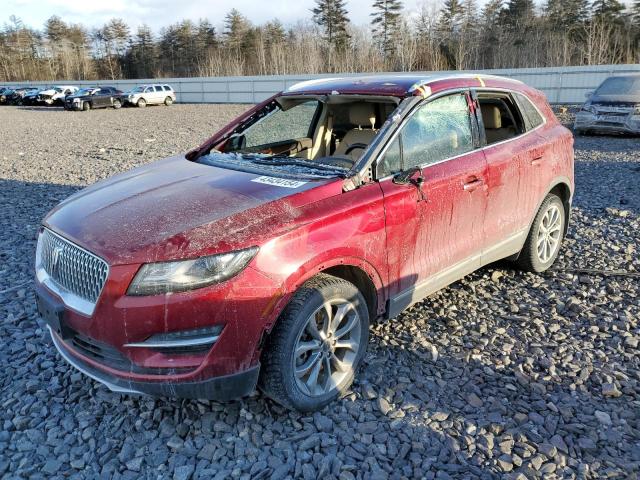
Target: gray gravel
[[503, 374]]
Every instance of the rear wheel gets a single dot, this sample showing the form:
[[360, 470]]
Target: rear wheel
[[86, 106], [317, 345], [141, 103], [168, 101], [545, 236], [117, 103]]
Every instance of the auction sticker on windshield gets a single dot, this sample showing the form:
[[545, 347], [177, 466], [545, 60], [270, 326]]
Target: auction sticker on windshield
[[279, 182]]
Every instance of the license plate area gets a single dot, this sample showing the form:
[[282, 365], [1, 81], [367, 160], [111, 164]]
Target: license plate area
[[53, 314], [612, 118]]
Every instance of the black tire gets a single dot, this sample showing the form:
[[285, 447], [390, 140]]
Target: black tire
[[86, 106], [141, 103], [168, 101], [117, 103], [277, 376], [530, 258]]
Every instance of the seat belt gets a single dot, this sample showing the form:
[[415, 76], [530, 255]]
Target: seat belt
[[328, 135]]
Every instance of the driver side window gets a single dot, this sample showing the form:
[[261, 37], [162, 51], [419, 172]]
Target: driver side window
[[437, 130], [282, 125]]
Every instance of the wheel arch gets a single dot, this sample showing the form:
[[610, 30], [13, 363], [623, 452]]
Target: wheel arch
[[561, 188], [353, 269]]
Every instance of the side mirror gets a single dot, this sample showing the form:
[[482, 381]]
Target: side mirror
[[588, 94], [406, 176]]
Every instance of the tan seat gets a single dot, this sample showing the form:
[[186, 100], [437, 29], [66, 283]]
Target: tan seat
[[492, 119], [363, 115]]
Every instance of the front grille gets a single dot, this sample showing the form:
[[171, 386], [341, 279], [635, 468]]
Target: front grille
[[71, 267]]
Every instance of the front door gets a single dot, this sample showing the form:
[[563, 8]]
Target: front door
[[435, 220]]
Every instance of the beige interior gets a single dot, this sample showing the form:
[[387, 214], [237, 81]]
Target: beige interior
[[492, 119], [363, 115]]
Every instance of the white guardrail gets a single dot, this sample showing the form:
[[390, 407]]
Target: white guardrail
[[562, 85]]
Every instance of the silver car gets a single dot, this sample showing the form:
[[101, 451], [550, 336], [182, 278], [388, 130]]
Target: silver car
[[614, 107], [155, 94]]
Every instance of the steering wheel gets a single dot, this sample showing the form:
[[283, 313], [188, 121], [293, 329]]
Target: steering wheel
[[353, 146]]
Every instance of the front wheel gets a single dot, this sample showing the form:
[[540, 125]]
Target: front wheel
[[141, 103], [545, 236], [86, 106], [168, 101], [117, 103], [316, 347]]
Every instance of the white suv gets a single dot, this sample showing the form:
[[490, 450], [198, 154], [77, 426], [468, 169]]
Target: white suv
[[144, 95]]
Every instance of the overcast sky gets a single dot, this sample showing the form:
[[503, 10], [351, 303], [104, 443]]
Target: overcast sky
[[159, 13]]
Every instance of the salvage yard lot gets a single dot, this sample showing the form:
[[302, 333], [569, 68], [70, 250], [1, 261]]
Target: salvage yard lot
[[502, 373]]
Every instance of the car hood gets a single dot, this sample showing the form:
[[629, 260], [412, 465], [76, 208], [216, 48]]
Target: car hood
[[624, 100], [176, 208]]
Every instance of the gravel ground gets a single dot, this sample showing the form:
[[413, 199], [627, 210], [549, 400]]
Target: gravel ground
[[503, 374]]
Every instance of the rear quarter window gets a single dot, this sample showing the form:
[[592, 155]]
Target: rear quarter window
[[167, 88], [530, 114]]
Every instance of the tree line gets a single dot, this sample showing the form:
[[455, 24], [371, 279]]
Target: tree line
[[445, 35]]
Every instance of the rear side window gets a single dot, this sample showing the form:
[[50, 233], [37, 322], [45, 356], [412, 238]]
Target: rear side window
[[532, 117], [158, 88], [167, 88]]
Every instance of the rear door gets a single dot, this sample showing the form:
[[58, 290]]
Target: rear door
[[435, 221], [513, 155], [158, 95]]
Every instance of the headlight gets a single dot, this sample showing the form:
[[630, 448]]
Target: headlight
[[589, 108], [178, 276], [76, 100], [636, 111]]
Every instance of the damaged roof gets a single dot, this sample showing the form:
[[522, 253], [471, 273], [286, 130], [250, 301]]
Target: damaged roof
[[398, 85]]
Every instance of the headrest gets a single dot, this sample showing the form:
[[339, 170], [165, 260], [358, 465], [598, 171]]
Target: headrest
[[491, 116], [362, 114]]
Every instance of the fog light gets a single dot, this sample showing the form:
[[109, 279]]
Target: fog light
[[182, 341]]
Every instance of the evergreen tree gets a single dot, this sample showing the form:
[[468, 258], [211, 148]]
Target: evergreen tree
[[55, 29], [518, 14], [635, 14], [608, 11], [274, 33], [451, 16], [566, 14], [332, 16], [236, 27], [386, 22]]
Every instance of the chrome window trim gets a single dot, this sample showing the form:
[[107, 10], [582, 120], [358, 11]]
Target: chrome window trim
[[70, 299], [480, 149]]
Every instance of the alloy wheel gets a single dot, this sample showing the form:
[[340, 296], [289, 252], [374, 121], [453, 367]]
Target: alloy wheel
[[549, 233], [327, 347]]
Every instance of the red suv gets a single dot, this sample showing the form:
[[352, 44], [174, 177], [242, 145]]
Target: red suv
[[261, 257]]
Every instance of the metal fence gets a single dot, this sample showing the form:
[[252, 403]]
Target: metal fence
[[562, 85]]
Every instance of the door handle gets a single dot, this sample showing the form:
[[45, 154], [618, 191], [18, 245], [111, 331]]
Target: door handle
[[472, 184], [537, 160]]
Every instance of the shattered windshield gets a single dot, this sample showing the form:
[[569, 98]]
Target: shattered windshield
[[620, 86]]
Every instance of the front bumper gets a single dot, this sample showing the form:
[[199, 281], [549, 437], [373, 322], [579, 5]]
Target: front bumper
[[623, 123], [223, 388]]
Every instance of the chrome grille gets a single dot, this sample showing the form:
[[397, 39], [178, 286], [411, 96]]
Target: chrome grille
[[71, 267]]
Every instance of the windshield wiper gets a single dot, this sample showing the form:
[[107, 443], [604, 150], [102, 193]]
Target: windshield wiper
[[282, 159]]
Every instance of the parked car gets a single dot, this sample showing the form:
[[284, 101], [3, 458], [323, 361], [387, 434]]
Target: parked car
[[4, 94], [56, 94], [31, 98], [94, 97], [16, 97], [262, 256], [614, 107], [156, 94]]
